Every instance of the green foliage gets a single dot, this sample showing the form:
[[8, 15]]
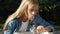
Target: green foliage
[[48, 9]]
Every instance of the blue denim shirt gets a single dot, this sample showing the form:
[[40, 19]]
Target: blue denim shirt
[[15, 24]]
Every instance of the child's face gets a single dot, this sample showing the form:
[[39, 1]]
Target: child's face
[[32, 11]]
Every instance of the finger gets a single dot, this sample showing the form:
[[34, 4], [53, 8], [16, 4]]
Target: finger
[[40, 27]]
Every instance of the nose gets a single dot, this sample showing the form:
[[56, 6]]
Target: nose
[[33, 13]]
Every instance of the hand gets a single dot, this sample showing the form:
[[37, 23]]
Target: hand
[[42, 29]]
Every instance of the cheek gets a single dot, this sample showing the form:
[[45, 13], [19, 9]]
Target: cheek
[[30, 15]]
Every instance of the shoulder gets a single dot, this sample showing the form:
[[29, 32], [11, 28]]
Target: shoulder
[[14, 21], [37, 17]]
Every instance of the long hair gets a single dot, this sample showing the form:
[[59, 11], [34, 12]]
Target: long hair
[[20, 11]]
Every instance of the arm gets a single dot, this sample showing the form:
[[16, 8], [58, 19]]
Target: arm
[[10, 28], [44, 23]]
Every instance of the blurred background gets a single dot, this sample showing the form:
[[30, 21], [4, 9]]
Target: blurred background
[[48, 10]]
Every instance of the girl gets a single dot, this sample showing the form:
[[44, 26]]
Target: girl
[[25, 18]]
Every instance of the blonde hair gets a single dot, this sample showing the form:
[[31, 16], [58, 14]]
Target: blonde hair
[[20, 11]]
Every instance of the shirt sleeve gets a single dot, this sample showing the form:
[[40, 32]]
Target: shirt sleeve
[[44, 23]]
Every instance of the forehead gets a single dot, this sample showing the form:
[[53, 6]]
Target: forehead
[[32, 6]]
